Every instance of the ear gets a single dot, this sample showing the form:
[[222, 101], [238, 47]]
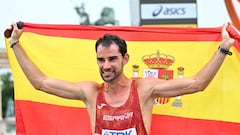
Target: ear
[[126, 58]]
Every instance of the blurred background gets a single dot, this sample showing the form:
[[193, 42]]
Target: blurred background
[[170, 13]]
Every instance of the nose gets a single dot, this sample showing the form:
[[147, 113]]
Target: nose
[[106, 65]]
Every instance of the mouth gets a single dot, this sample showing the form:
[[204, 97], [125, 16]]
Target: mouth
[[107, 73]]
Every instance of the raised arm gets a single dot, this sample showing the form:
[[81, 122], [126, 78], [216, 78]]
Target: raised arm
[[40, 81], [208, 72], [196, 83]]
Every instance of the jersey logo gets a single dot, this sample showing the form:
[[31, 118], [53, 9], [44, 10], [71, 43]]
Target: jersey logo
[[101, 106]]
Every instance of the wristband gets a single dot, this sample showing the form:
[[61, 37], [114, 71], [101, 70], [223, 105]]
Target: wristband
[[14, 43], [224, 51]]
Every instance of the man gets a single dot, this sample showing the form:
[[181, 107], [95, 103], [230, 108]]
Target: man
[[119, 104]]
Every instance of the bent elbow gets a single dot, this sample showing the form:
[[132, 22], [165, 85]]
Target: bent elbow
[[38, 83], [200, 89], [37, 87], [200, 85]]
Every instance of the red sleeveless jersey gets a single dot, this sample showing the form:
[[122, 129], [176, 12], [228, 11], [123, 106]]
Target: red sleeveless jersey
[[126, 119]]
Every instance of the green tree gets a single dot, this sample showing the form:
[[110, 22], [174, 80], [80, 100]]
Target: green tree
[[7, 91]]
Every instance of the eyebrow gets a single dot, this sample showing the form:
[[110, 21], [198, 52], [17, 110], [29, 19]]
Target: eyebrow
[[100, 58], [111, 57]]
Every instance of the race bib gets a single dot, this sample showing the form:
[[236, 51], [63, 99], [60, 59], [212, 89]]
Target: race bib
[[130, 131]]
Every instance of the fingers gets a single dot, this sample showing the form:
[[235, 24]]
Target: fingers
[[225, 26], [225, 33], [16, 32], [14, 26], [226, 39]]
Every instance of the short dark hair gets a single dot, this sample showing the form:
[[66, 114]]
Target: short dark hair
[[108, 39]]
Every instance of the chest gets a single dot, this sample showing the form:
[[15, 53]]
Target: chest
[[120, 113], [116, 100]]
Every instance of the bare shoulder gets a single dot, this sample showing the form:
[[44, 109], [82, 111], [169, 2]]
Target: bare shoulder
[[146, 86], [90, 89], [148, 83], [89, 86]]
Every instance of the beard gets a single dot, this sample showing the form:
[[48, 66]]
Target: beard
[[109, 76]]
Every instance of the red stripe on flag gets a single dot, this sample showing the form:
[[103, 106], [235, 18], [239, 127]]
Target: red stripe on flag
[[44, 119], [129, 33], [234, 33], [61, 120], [171, 125]]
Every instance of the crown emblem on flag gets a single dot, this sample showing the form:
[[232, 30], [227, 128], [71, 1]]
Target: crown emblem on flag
[[158, 60]]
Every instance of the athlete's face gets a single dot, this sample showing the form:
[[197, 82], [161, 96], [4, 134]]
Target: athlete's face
[[110, 62]]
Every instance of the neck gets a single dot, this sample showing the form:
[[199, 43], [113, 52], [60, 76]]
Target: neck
[[115, 85]]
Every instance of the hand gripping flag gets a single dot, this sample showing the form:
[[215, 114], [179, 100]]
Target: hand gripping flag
[[67, 52]]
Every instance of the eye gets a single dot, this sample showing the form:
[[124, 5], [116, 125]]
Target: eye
[[112, 58], [100, 59]]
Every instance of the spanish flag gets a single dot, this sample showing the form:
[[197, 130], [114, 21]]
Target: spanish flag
[[68, 52]]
